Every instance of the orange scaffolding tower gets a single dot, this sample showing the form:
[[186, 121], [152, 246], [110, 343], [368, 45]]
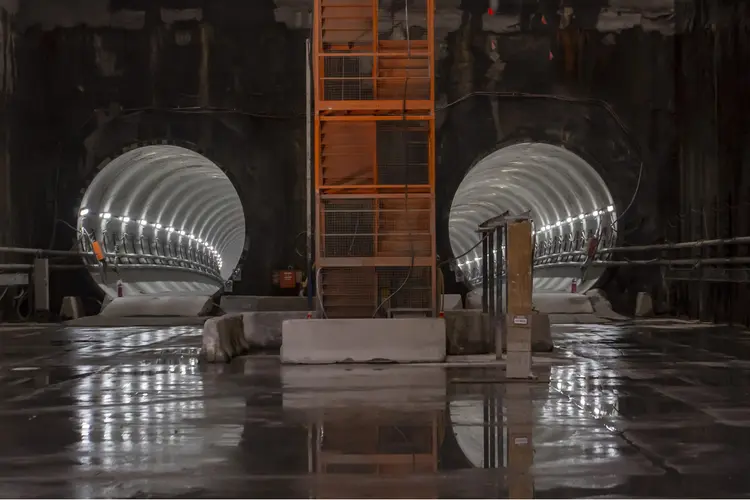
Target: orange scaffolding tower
[[374, 97]]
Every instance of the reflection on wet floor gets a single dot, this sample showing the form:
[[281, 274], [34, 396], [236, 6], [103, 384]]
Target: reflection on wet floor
[[130, 412]]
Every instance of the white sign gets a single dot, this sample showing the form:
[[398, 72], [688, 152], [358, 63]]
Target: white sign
[[520, 320]]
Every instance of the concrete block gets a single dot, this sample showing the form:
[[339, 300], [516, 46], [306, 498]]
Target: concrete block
[[541, 334], [250, 303], [262, 329], [232, 335], [644, 305], [562, 303], [158, 305], [602, 306], [223, 339], [518, 364], [72, 308], [452, 301], [326, 341], [467, 332]]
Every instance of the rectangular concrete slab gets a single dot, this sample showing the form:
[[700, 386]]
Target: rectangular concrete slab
[[326, 341], [336, 387]]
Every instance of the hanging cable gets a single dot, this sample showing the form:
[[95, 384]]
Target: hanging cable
[[405, 142]]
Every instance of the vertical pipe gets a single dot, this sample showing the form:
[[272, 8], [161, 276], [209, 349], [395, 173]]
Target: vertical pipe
[[484, 273], [491, 275], [499, 264], [308, 198]]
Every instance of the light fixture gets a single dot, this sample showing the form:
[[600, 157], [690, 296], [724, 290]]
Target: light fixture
[[106, 215], [84, 212], [192, 236], [594, 213], [611, 208], [126, 219], [200, 241], [183, 233], [143, 222], [157, 225], [569, 220], [557, 224], [582, 216], [170, 229]]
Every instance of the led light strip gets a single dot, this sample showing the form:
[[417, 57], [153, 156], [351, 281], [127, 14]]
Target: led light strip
[[571, 220], [170, 230], [550, 227]]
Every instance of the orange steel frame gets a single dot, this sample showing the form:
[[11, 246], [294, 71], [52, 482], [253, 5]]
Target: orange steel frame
[[335, 35]]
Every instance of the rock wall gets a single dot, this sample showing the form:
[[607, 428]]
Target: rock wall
[[220, 77], [651, 83], [7, 87]]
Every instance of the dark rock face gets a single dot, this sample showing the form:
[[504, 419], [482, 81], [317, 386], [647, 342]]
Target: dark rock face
[[81, 82]]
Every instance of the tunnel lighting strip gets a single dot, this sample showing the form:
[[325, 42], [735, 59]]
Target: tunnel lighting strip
[[169, 230], [571, 220], [547, 228]]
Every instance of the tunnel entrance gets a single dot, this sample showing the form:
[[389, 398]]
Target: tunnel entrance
[[169, 220], [567, 197]]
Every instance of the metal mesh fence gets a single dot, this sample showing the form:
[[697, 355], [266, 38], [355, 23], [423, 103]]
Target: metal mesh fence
[[403, 152], [359, 291], [348, 78], [368, 227]]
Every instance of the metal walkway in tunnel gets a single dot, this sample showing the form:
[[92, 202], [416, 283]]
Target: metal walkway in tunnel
[[650, 410]]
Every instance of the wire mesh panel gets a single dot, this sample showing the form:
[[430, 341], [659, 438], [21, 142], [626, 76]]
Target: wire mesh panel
[[349, 292], [404, 227], [404, 288], [403, 152], [348, 78], [396, 226], [348, 228]]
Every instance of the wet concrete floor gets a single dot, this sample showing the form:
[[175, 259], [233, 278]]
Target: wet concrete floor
[[628, 411]]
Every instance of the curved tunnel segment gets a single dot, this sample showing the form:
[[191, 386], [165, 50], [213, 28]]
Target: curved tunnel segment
[[167, 219], [568, 200]]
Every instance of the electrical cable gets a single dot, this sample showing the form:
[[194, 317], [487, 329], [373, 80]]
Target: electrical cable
[[406, 172], [574, 100]]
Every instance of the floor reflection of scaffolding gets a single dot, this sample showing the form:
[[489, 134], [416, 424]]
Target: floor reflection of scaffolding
[[384, 446]]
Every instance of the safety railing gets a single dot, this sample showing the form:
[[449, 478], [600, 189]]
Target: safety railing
[[116, 261], [696, 267]]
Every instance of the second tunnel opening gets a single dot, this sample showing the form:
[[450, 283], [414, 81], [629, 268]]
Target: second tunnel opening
[[168, 219], [568, 199]]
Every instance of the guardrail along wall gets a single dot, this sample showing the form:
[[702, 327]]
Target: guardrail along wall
[[374, 157]]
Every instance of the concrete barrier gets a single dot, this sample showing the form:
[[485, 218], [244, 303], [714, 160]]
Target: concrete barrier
[[252, 303], [452, 302], [226, 337], [468, 332], [158, 305], [541, 333], [327, 341], [644, 305]]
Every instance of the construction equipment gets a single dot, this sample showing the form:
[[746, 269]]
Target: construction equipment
[[374, 141]]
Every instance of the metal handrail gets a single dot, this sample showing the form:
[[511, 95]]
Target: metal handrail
[[38, 252]]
